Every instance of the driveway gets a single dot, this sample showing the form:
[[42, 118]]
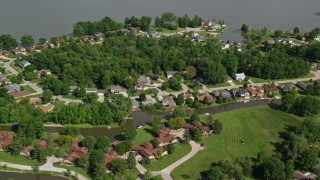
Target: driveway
[[165, 173]]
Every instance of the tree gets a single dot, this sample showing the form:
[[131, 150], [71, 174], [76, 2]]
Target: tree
[[180, 99], [7, 42], [97, 166], [47, 95], [130, 133], [176, 123], [102, 142], [245, 28], [246, 165], [278, 33], [89, 142], [92, 97], [164, 86], [42, 40], [71, 131], [145, 23], [272, 168], [288, 100], [27, 40], [39, 154], [145, 161], [169, 21], [123, 147], [215, 173], [197, 134], [183, 21], [196, 21], [80, 92], [78, 30], [174, 84], [306, 106], [186, 135], [131, 161], [217, 127], [307, 159], [118, 166], [296, 30], [155, 143], [158, 22], [190, 72], [3, 91], [179, 112], [142, 97], [156, 124], [170, 148], [194, 117]]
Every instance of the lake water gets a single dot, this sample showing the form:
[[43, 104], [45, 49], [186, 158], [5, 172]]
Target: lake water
[[46, 18]]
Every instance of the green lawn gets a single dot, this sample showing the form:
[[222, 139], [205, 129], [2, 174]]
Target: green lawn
[[28, 88], [70, 96], [241, 82], [143, 135], [133, 173], [217, 85], [180, 151], [258, 126], [75, 169], [7, 157]]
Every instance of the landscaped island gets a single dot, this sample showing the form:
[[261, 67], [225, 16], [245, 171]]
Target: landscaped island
[[109, 69]]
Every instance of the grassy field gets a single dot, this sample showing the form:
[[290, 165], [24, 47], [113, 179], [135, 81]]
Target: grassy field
[[258, 126], [75, 169], [28, 88], [143, 135], [7, 157], [217, 85], [180, 151]]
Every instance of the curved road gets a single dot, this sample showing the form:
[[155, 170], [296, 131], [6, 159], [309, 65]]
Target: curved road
[[48, 166]]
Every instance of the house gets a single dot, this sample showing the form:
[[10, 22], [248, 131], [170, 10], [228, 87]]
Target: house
[[215, 93], [12, 87], [101, 92], [148, 151], [239, 77], [4, 52], [35, 100], [165, 137], [206, 23], [16, 94], [112, 154], [26, 151], [271, 41], [206, 130], [234, 91], [316, 65], [117, 89], [224, 93], [188, 95], [229, 79], [302, 85], [252, 91], [43, 144], [149, 101], [169, 101], [289, 40], [76, 153], [316, 169], [5, 139], [200, 38], [204, 97], [31, 48], [190, 34], [91, 90], [47, 107], [286, 87], [225, 46], [43, 72], [271, 89], [134, 29], [4, 79], [22, 49], [16, 51], [141, 86], [72, 88], [155, 34], [297, 175], [171, 74], [243, 94], [317, 38], [99, 36], [215, 27], [144, 79], [135, 104], [24, 64]]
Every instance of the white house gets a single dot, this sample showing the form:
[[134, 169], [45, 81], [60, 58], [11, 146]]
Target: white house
[[24, 64], [240, 77]]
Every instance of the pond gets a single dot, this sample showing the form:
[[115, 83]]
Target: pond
[[28, 176]]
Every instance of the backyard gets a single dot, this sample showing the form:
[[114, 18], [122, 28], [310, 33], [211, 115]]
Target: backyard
[[258, 127]]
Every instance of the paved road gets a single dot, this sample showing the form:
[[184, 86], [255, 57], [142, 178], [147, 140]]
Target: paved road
[[48, 166], [165, 173], [66, 100]]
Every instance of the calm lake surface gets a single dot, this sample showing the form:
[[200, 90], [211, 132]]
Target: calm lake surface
[[46, 18], [27, 176]]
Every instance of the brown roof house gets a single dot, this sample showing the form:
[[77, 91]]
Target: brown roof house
[[169, 101], [26, 151], [297, 175], [47, 107], [43, 72], [112, 154], [5, 139], [149, 152], [43, 144], [165, 137], [205, 97], [16, 94], [35, 100], [76, 153]]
